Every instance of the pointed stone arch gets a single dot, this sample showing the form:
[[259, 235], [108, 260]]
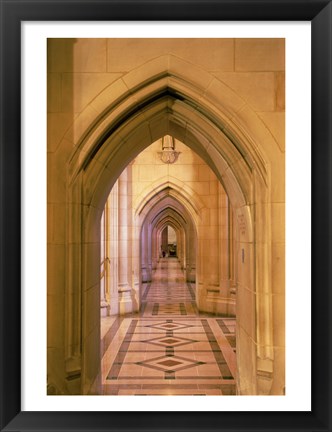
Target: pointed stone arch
[[169, 187], [170, 96], [164, 202]]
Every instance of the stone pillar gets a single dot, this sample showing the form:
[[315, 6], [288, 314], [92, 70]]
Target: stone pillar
[[149, 245], [164, 241], [136, 282], [113, 249], [146, 276], [180, 248], [124, 242], [104, 306], [246, 318], [223, 243], [155, 248], [226, 301], [211, 269], [208, 289], [232, 261], [232, 250], [179, 251], [191, 263]]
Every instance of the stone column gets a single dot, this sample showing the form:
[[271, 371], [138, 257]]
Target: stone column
[[113, 249], [155, 248], [232, 250], [164, 241], [208, 267], [144, 254], [232, 261], [149, 246], [180, 249], [226, 301], [104, 306], [191, 266], [136, 282], [124, 242]]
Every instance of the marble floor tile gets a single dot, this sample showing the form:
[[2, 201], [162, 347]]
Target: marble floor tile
[[169, 348]]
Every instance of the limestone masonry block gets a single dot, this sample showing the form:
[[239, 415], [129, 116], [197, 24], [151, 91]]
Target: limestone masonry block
[[80, 89], [256, 88], [259, 54]]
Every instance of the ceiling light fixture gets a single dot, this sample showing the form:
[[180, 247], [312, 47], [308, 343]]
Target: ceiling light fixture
[[168, 154]]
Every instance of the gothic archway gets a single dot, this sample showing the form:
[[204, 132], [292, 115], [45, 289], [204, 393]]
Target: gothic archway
[[204, 114]]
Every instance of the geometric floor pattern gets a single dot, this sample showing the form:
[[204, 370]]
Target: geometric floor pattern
[[169, 348]]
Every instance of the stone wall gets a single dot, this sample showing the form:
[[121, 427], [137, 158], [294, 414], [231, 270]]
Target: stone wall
[[222, 97]]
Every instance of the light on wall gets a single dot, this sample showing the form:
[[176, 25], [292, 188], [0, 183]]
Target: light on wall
[[168, 154]]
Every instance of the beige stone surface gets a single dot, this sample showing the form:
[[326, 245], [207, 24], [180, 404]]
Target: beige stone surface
[[275, 122], [55, 306], [54, 92], [259, 54], [212, 54], [57, 126], [55, 269], [256, 88], [278, 222], [278, 267], [79, 89], [56, 223], [279, 311], [226, 114], [278, 385], [56, 185], [92, 319], [220, 95], [246, 363], [267, 150], [91, 361], [245, 310], [245, 270], [280, 91], [60, 54], [79, 55], [92, 253]]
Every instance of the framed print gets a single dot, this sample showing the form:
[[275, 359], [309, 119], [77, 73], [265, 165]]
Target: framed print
[[165, 217]]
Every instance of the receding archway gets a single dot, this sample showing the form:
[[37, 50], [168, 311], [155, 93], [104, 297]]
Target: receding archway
[[208, 122], [170, 206]]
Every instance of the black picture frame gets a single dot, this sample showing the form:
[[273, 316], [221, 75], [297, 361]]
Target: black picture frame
[[12, 13]]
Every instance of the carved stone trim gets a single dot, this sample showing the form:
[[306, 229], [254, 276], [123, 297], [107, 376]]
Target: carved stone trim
[[168, 156]]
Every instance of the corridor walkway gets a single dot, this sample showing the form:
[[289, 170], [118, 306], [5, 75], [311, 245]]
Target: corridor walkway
[[169, 348]]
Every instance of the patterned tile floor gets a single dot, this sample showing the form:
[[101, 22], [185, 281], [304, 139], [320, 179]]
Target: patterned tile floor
[[169, 348]]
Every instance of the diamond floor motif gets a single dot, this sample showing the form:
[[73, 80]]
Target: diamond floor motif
[[169, 348], [169, 326], [169, 341], [170, 363]]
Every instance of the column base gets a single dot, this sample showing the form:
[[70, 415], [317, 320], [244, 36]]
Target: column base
[[104, 308], [191, 274], [126, 305], [114, 305], [146, 277], [211, 300], [73, 375]]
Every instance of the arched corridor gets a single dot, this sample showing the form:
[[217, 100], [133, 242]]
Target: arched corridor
[[165, 142], [169, 348], [171, 205]]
